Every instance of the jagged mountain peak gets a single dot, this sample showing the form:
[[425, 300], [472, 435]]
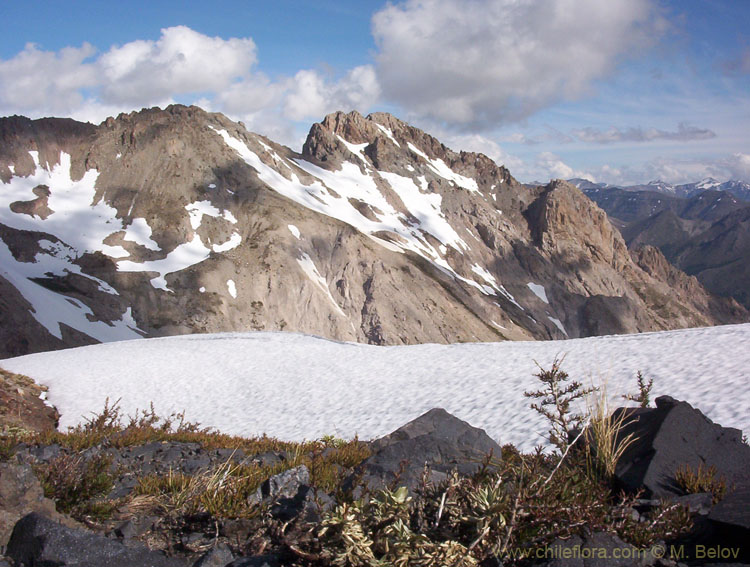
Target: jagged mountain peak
[[174, 221]]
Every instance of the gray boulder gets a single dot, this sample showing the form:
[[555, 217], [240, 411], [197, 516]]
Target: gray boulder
[[672, 435], [283, 485], [436, 439], [38, 541]]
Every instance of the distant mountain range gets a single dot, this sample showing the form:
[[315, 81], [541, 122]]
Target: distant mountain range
[[703, 228], [177, 221], [739, 189]]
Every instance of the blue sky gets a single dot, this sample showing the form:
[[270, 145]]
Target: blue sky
[[623, 91]]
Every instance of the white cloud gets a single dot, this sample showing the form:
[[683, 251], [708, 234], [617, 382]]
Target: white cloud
[[481, 144], [479, 63], [737, 166], [551, 166], [181, 65], [311, 96], [181, 61], [46, 82], [672, 170]]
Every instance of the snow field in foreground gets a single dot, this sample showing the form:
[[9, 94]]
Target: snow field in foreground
[[295, 386]]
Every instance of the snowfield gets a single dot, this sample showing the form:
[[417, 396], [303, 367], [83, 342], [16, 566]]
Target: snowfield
[[296, 386]]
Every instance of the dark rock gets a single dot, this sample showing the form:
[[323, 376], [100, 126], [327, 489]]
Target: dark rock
[[599, 549], [218, 556], [435, 439], [225, 455], [672, 435], [306, 505], [267, 459], [37, 540], [734, 509], [256, 561], [196, 463], [45, 453], [135, 527], [146, 452], [697, 503], [122, 487], [730, 520], [236, 530]]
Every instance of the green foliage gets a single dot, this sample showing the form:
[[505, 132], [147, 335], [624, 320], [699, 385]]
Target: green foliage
[[221, 492], [704, 479], [643, 397], [74, 481], [555, 399], [503, 511], [377, 533]]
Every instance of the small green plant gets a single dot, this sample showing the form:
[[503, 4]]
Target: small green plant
[[643, 397], [74, 481], [555, 399], [704, 479]]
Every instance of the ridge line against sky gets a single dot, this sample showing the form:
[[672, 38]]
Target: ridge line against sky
[[623, 91]]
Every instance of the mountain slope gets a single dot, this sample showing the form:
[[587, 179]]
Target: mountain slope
[[178, 221]]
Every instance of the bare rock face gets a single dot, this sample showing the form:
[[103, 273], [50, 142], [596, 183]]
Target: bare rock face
[[176, 221]]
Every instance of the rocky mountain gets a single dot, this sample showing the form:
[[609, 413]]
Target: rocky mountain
[[175, 221], [706, 235]]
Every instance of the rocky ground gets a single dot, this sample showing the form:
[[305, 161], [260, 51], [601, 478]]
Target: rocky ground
[[437, 491]]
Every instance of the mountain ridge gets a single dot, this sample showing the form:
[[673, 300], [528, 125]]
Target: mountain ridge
[[376, 232]]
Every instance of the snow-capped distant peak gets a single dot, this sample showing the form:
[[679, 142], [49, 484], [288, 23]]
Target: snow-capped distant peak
[[707, 183]]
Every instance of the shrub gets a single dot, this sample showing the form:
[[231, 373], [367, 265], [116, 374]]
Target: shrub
[[555, 399], [74, 481], [643, 397], [702, 480]]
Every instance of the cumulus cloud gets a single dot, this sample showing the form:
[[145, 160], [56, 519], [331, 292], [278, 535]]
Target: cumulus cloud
[[49, 81], [480, 63], [311, 95], [181, 65], [181, 61], [684, 133]]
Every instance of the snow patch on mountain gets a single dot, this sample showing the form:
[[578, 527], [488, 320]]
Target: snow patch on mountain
[[388, 133], [139, 231], [539, 291], [308, 266], [183, 256], [442, 169], [75, 218], [51, 309]]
